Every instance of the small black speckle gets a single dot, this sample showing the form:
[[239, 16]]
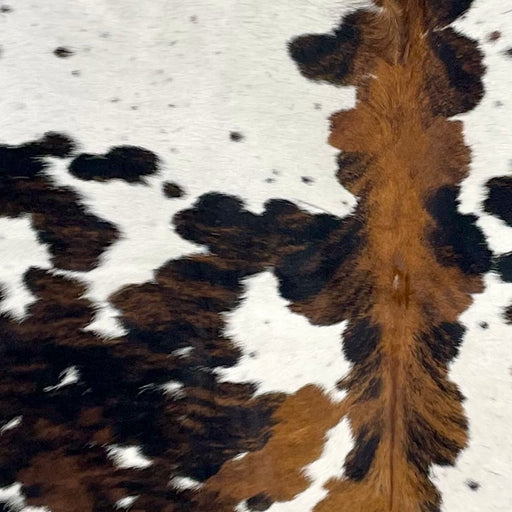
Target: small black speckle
[[253, 354], [307, 179], [318, 106], [171, 105], [498, 103], [62, 52], [76, 72], [134, 107], [172, 190], [115, 100], [275, 172], [236, 136], [193, 19], [5, 8], [269, 180], [508, 52], [474, 486], [484, 325]]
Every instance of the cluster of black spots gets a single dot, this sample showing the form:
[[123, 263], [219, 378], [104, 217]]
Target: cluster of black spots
[[172, 190], [360, 458], [503, 266], [236, 136], [259, 503], [63, 52], [499, 200], [360, 339], [24, 161], [456, 238], [328, 57], [128, 163], [462, 61], [443, 340]]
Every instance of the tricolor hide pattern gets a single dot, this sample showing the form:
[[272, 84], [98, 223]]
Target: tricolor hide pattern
[[286, 358]]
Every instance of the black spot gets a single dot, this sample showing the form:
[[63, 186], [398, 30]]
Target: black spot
[[484, 325], [172, 190], [259, 503], [128, 163], [236, 136], [444, 340], [63, 52], [360, 339], [499, 200], [457, 240], [360, 458], [76, 72], [508, 52], [5, 9], [474, 486], [307, 179]]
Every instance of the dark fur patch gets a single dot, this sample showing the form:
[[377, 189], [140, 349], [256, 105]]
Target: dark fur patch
[[503, 266], [499, 200], [128, 163], [328, 57], [444, 341], [360, 458], [259, 503], [456, 239], [60, 219], [360, 339]]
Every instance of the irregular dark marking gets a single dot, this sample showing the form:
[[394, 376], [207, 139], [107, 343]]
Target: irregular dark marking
[[63, 52], [351, 167], [128, 163], [172, 190], [456, 239], [499, 200], [462, 61], [503, 266], [259, 503], [328, 57], [444, 341], [360, 340], [360, 458], [236, 136], [60, 219]]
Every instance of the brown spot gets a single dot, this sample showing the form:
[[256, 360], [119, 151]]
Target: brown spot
[[494, 36], [172, 190]]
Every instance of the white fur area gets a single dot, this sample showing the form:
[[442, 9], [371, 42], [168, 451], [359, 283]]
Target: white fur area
[[19, 250], [13, 496], [194, 72], [281, 350], [128, 457], [338, 442], [483, 370]]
